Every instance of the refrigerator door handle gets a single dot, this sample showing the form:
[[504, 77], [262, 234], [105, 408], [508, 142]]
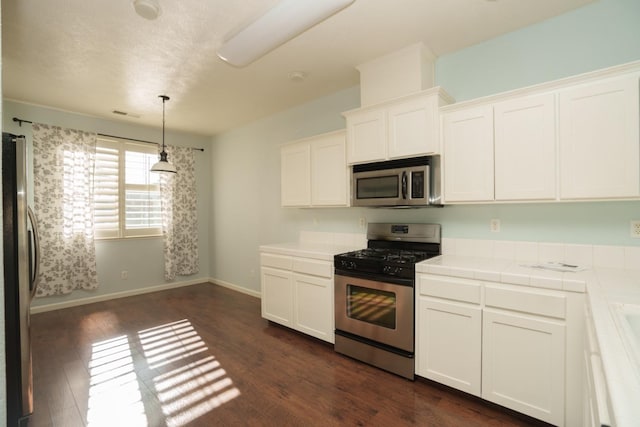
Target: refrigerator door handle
[[36, 252]]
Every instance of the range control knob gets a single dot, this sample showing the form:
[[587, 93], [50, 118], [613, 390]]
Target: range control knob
[[349, 265], [391, 270]]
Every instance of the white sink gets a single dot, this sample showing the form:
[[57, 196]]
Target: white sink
[[628, 319]]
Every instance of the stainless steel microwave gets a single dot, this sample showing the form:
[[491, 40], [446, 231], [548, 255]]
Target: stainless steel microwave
[[411, 182]]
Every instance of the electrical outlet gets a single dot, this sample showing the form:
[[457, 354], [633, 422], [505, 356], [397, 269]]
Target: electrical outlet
[[494, 225], [124, 275], [635, 229]]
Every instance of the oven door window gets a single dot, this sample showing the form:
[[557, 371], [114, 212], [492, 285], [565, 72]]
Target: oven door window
[[379, 187], [372, 306]]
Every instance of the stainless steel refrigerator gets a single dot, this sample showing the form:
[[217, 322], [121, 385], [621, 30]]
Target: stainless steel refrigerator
[[21, 260]]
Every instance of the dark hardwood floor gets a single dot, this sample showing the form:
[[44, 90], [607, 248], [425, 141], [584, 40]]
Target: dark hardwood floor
[[202, 356]]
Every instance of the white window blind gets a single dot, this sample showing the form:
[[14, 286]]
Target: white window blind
[[126, 194]]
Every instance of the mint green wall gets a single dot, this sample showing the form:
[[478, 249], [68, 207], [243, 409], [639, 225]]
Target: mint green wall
[[599, 35], [245, 183], [141, 258]]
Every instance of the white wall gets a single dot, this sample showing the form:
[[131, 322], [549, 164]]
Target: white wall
[[142, 258], [245, 186], [245, 183]]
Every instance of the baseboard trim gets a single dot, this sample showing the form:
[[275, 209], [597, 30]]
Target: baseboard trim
[[234, 287], [147, 290], [115, 295]]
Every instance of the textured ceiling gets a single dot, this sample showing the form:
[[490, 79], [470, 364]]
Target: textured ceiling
[[93, 57]]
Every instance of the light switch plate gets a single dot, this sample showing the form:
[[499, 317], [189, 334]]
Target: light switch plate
[[635, 229]]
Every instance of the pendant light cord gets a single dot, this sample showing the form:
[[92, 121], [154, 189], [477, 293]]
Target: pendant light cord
[[164, 98]]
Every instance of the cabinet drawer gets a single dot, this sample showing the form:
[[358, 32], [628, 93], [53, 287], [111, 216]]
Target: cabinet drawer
[[526, 301], [450, 288], [314, 267], [276, 261]]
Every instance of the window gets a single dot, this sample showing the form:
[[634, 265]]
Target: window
[[126, 194]]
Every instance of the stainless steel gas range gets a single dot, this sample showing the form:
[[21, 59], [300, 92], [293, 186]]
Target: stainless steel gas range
[[375, 294]]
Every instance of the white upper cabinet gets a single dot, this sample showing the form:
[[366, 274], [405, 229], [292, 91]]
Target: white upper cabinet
[[329, 172], [599, 140], [525, 148], [295, 173], [413, 127], [573, 139], [405, 127], [366, 136], [468, 154], [314, 171]]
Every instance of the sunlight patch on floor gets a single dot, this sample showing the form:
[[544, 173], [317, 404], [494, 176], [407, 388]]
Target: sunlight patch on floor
[[114, 394], [188, 380], [170, 343], [197, 384]]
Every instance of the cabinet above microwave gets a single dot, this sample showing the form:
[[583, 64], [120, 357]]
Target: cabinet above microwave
[[404, 127]]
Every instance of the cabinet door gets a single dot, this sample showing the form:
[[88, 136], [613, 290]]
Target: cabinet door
[[366, 136], [314, 306], [413, 127], [599, 148], [329, 171], [468, 154], [523, 364], [295, 174], [525, 148], [448, 343], [277, 295]]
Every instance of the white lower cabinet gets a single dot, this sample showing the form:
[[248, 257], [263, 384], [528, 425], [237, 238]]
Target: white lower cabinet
[[449, 344], [298, 293], [512, 345], [449, 331], [277, 296], [313, 306], [523, 364]]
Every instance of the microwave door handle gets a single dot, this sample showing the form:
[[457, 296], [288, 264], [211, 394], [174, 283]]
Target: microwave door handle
[[404, 185]]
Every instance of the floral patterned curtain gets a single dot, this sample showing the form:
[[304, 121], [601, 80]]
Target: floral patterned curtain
[[63, 161], [179, 219]]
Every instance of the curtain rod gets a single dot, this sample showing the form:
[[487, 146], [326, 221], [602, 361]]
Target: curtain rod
[[21, 121]]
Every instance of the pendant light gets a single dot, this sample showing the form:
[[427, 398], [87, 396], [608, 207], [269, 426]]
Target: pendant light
[[163, 164]]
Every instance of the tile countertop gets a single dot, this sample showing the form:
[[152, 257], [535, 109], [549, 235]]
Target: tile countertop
[[318, 245], [605, 287], [322, 251], [621, 368]]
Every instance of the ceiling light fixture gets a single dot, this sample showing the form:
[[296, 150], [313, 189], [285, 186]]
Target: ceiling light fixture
[[285, 21], [163, 164], [148, 9], [297, 76]]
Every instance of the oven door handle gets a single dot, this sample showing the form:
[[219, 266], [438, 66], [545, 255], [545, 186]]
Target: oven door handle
[[404, 185]]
